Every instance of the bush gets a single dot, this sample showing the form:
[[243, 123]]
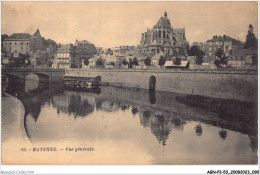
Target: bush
[[135, 62], [147, 61], [162, 61]]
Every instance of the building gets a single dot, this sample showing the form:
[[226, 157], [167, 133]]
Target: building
[[100, 50], [17, 43], [155, 60], [92, 62], [64, 56], [36, 42], [229, 45], [24, 43], [164, 38]]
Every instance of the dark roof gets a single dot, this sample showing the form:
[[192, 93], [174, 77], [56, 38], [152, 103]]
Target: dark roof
[[225, 38], [163, 22], [37, 33], [17, 36]]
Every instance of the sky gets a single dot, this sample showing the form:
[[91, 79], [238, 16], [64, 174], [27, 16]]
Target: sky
[[111, 24]]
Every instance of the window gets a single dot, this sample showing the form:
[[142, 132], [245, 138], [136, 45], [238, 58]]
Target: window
[[21, 43], [27, 43], [14, 43], [10, 43], [21, 47]]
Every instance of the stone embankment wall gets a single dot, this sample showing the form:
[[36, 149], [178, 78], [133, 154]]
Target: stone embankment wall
[[239, 85]]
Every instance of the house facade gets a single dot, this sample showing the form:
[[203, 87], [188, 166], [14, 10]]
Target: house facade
[[17, 43], [64, 56], [229, 45]]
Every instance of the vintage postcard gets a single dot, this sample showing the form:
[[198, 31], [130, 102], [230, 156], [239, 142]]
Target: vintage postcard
[[129, 83]]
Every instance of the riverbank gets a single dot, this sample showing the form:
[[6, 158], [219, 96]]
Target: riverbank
[[239, 85], [13, 133]]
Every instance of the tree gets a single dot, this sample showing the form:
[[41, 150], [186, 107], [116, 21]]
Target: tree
[[124, 62], [99, 63], [254, 59], [50, 62], [222, 59], [20, 61], [130, 64], [86, 61], [251, 40], [147, 61], [223, 134], [3, 37], [162, 61], [134, 110], [135, 61], [195, 51], [112, 63], [28, 62], [177, 61]]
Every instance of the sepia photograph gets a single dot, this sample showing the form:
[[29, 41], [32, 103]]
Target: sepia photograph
[[129, 83]]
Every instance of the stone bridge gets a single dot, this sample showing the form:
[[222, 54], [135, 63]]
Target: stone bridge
[[50, 75]]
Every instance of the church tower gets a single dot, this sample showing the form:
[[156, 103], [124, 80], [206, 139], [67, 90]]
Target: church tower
[[165, 14], [36, 42]]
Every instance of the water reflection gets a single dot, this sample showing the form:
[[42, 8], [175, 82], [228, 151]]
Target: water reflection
[[163, 117], [78, 107]]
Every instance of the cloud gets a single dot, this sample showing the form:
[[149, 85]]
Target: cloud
[[196, 33]]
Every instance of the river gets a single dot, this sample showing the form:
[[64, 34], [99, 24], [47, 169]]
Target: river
[[135, 126]]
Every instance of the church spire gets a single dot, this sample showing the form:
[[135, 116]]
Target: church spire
[[37, 33], [165, 14]]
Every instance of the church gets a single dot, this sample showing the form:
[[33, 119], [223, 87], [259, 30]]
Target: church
[[165, 39]]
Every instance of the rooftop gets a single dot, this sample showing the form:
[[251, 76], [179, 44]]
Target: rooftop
[[37, 33], [225, 38], [19, 36]]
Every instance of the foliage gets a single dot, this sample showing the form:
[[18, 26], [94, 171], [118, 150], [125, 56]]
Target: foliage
[[162, 61], [86, 61], [134, 110], [130, 64], [195, 51], [100, 63], [20, 61], [50, 62], [251, 40], [124, 62], [222, 59], [28, 62], [135, 61], [147, 61], [109, 51], [223, 134], [3, 37], [177, 61], [49, 42], [254, 59]]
